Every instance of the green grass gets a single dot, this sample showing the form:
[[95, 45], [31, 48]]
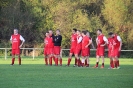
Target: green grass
[[34, 74]]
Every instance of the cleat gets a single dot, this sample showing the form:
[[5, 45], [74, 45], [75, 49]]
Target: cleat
[[74, 65], [95, 67], [67, 65], [11, 64], [102, 67], [114, 68], [110, 68], [118, 67]]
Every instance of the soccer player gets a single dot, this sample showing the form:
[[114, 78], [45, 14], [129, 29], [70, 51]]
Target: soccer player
[[87, 62], [78, 47], [46, 42], [117, 44], [110, 50], [73, 46], [86, 42], [101, 42], [57, 47], [16, 45], [51, 47]]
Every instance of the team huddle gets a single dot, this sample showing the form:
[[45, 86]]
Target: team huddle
[[80, 47]]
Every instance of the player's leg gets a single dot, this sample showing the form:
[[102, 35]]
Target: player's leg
[[19, 59], [97, 58], [87, 61], [46, 59], [97, 61], [102, 61], [18, 54], [69, 59], [118, 63], [13, 56], [60, 58]]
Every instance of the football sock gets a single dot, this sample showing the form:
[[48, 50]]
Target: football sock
[[85, 62], [118, 63], [75, 61], [115, 63], [19, 59], [97, 64], [103, 64], [60, 61], [69, 60], [13, 59], [46, 61], [56, 61], [50, 61]]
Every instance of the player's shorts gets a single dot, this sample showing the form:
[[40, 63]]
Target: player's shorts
[[116, 52], [72, 50], [110, 52], [15, 51], [57, 50], [85, 52], [100, 51], [77, 51], [45, 51], [50, 51]]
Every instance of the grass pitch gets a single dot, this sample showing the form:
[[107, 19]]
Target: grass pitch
[[34, 74]]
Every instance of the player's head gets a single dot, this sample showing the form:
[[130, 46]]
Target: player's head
[[99, 31], [87, 33], [15, 31], [78, 32], [50, 32], [74, 30], [47, 34], [57, 32], [110, 34], [83, 33]]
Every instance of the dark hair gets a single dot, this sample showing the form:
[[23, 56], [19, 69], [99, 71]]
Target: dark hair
[[84, 32], [99, 30], [79, 30], [110, 33], [75, 29], [47, 32], [58, 30]]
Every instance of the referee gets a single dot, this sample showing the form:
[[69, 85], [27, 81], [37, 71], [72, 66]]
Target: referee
[[57, 47]]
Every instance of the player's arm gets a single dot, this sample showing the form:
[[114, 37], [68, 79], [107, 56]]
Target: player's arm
[[90, 42], [23, 40], [79, 40], [97, 41], [105, 40], [120, 40]]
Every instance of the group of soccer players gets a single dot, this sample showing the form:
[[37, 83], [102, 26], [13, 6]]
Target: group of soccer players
[[80, 47]]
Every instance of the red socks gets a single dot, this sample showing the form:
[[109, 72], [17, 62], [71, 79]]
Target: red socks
[[69, 60], [115, 64], [56, 61], [13, 59], [85, 62], [46, 61], [118, 63], [75, 61], [50, 61], [19, 59]]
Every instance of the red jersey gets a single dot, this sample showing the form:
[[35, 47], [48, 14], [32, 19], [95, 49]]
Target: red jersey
[[100, 40], [79, 45], [73, 40], [116, 43], [110, 43], [85, 42], [50, 43], [46, 41], [15, 41]]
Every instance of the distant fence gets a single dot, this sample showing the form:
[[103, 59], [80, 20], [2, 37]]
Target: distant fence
[[65, 52]]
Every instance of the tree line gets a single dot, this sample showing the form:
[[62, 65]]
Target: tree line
[[34, 17]]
